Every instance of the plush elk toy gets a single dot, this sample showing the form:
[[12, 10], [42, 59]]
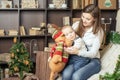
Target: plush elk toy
[[58, 57]]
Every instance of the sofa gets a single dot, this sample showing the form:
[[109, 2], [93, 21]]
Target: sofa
[[108, 60], [109, 57]]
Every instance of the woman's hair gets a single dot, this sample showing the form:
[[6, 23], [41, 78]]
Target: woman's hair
[[95, 12]]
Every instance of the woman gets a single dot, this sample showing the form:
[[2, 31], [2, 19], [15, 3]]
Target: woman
[[84, 63]]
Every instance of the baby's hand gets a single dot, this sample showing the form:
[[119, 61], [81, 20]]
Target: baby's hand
[[71, 50]]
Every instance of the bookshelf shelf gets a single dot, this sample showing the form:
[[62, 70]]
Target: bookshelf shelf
[[40, 9], [13, 18], [12, 9]]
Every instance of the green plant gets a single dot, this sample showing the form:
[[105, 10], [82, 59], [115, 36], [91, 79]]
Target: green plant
[[113, 37], [115, 75], [20, 61]]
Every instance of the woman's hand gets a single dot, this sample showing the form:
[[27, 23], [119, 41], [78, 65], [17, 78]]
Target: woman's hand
[[71, 50]]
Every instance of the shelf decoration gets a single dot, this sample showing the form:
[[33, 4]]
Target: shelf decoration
[[6, 4], [50, 28], [66, 20], [5, 57], [107, 4], [2, 32], [12, 32], [38, 30], [59, 4], [34, 31], [20, 60], [29, 4]]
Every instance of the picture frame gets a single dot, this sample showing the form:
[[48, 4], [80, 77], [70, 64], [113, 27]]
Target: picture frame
[[107, 4], [6, 4]]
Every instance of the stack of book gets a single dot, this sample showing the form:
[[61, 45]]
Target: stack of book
[[39, 30], [12, 32], [34, 31], [2, 32]]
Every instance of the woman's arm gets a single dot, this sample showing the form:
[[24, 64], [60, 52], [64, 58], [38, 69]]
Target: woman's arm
[[94, 48]]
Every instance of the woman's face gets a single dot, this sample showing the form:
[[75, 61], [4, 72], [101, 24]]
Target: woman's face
[[87, 19]]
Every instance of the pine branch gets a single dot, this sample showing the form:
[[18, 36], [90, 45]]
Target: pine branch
[[115, 75]]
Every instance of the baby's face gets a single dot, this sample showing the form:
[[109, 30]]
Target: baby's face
[[69, 33]]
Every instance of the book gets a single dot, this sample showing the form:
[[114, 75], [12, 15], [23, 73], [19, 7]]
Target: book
[[66, 20], [36, 28], [22, 30], [12, 32], [76, 4]]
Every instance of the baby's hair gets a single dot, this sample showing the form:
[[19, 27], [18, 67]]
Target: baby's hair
[[64, 27]]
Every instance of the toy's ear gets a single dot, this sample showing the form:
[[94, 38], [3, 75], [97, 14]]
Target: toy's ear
[[56, 27]]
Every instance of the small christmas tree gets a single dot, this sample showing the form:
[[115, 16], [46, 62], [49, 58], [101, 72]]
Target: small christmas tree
[[20, 61]]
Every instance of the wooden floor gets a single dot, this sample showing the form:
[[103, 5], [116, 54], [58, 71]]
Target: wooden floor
[[11, 78]]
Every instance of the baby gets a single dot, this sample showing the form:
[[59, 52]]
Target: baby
[[78, 43]]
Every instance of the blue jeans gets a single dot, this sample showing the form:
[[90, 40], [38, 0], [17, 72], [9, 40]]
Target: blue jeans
[[83, 72], [78, 61]]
